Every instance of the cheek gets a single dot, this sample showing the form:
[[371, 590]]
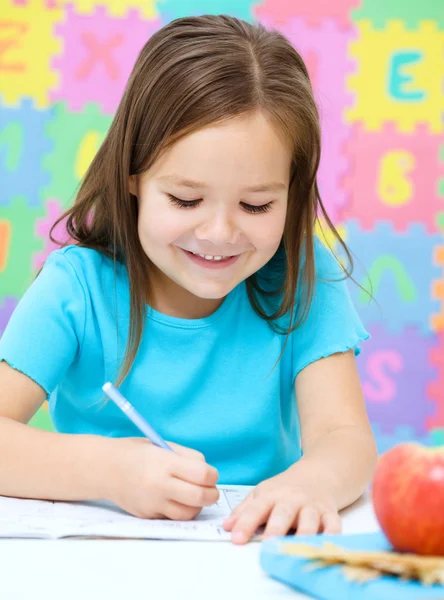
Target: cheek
[[268, 234], [158, 227]]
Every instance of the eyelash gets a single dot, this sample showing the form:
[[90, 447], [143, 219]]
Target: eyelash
[[192, 203]]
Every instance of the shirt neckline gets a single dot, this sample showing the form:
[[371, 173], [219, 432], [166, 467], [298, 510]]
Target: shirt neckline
[[183, 323]]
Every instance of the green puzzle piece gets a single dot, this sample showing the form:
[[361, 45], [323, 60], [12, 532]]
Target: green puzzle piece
[[437, 436], [42, 420], [76, 137], [411, 12]]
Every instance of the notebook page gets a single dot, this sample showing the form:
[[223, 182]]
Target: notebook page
[[47, 519]]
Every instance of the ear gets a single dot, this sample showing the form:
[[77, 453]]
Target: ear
[[133, 185]]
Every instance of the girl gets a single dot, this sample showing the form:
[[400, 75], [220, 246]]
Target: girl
[[196, 283]]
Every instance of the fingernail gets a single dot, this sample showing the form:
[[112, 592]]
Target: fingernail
[[239, 537]]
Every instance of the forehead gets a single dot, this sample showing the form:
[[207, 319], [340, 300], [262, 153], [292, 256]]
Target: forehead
[[246, 152]]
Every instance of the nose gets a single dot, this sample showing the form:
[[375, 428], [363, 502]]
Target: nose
[[218, 229]]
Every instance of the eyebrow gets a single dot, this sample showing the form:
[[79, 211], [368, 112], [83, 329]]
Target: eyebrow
[[274, 186]]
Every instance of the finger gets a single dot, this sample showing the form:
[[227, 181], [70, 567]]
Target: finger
[[194, 471], [191, 494], [281, 520], [188, 452], [331, 522], [229, 522], [236, 512], [309, 520], [253, 495], [250, 520], [180, 512]]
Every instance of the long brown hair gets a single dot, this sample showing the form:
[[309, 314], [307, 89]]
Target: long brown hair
[[193, 72]]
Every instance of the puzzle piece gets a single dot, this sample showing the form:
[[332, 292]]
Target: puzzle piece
[[437, 318], [391, 180], [436, 388], [440, 218], [172, 9], [5, 242], [402, 433], [395, 372], [326, 235], [313, 12], [42, 230], [399, 76], [7, 307], [437, 436], [42, 419], [26, 49], [22, 144], [76, 138], [147, 9], [399, 267], [411, 13], [99, 54], [18, 274], [324, 49]]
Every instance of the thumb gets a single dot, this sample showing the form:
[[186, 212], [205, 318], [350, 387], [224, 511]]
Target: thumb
[[187, 452]]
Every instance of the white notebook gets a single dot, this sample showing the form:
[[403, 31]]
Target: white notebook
[[23, 518]]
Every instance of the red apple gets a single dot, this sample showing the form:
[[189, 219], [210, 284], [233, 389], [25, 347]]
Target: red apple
[[408, 498]]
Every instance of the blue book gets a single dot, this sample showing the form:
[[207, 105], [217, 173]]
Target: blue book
[[329, 583]]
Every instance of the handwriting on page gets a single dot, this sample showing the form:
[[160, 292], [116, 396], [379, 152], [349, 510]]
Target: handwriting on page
[[47, 519]]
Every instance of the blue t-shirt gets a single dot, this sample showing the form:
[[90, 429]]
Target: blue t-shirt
[[204, 383]]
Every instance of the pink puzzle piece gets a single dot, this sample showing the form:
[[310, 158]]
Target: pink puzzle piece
[[313, 12], [42, 229], [394, 177], [99, 53], [324, 49]]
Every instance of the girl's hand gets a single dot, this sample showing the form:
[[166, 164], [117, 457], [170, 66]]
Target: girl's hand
[[154, 483], [284, 502]]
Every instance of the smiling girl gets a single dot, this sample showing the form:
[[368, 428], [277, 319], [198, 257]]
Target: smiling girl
[[195, 282]]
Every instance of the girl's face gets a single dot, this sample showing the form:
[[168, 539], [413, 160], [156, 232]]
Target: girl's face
[[215, 214]]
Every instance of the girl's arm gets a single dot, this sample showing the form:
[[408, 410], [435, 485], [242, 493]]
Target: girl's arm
[[339, 457], [144, 480], [337, 439], [44, 464]]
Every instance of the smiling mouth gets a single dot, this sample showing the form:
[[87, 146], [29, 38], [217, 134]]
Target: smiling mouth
[[209, 261], [216, 257]]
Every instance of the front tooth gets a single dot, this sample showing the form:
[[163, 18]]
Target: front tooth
[[208, 257], [218, 258]]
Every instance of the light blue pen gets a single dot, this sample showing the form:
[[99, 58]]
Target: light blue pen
[[134, 416]]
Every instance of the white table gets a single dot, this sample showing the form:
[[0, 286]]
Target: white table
[[148, 569]]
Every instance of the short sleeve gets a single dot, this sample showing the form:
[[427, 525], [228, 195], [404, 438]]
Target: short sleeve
[[332, 323], [44, 333]]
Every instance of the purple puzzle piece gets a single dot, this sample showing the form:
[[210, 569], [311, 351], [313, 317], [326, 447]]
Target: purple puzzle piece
[[395, 373]]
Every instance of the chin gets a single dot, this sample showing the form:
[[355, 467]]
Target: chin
[[211, 294]]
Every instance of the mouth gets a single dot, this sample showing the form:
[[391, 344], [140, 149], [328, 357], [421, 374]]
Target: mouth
[[209, 261]]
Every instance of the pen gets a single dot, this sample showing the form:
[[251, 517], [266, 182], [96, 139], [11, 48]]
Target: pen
[[132, 414]]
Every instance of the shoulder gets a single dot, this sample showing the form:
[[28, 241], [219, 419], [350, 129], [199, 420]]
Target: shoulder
[[77, 258], [85, 264]]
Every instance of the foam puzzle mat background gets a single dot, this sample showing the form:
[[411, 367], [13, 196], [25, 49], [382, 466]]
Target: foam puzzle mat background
[[377, 68]]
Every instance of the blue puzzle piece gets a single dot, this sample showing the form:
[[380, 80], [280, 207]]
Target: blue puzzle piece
[[171, 9], [23, 143], [400, 268]]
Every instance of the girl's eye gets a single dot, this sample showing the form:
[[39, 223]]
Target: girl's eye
[[191, 203]]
